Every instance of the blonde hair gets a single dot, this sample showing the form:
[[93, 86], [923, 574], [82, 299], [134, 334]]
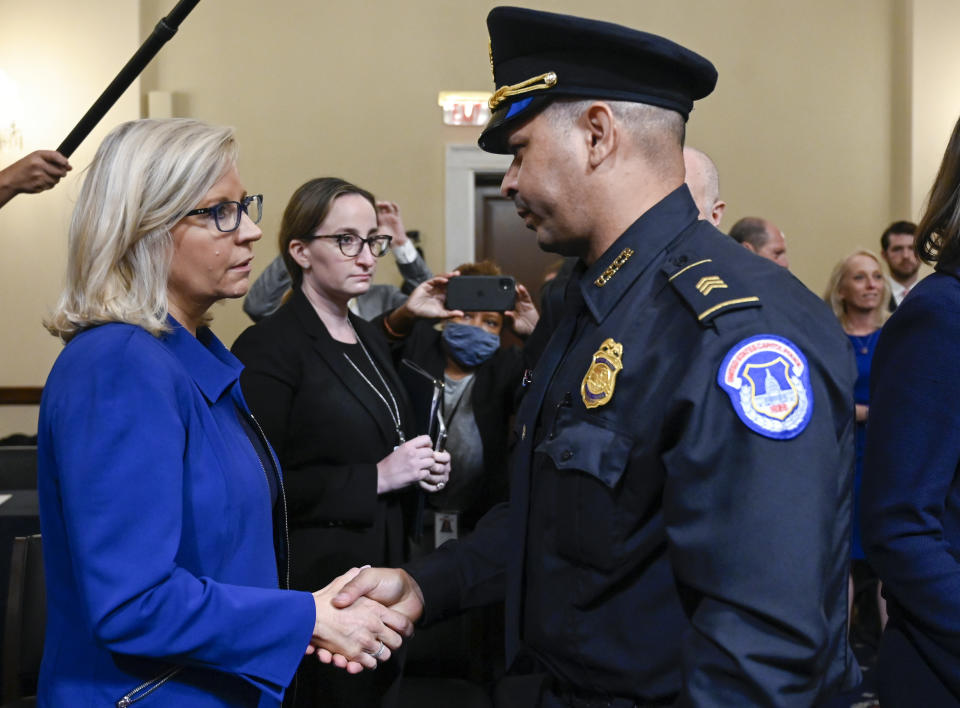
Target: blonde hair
[[145, 176], [832, 293]]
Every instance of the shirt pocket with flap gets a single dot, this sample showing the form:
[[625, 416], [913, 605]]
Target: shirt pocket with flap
[[590, 459]]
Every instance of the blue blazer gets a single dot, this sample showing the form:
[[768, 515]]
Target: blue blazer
[[910, 498], [158, 530]]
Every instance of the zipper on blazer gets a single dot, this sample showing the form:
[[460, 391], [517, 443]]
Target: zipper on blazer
[[283, 497], [148, 687]]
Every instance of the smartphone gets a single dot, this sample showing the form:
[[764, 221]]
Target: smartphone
[[481, 293]]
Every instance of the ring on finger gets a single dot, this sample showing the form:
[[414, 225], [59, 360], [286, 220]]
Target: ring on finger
[[376, 654]]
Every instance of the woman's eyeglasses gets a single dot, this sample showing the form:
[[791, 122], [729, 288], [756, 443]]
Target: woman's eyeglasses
[[227, 215], [351, 244]]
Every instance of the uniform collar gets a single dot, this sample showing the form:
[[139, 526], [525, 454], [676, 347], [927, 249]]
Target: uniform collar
[[209, 363], [605, 282]]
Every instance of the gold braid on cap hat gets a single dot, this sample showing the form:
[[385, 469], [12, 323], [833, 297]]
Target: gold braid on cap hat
[[537, 83]]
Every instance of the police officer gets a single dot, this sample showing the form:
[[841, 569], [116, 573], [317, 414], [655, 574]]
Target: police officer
[[678, 527]]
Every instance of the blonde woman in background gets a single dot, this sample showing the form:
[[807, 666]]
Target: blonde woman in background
[[858, 294]]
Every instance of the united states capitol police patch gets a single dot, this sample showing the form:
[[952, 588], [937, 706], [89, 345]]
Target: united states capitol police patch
[[768, 381]]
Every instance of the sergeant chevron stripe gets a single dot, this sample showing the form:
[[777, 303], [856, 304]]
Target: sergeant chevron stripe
[[709, 283]]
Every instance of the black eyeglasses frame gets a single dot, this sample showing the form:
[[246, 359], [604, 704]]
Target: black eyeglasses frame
[[243, 207], [368, 241]]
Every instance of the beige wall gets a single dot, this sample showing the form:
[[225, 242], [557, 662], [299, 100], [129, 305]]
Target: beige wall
[[826, 117], [62, 54], [801, 123], [935, 100]]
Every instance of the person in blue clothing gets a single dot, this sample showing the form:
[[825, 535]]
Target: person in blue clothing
[[910, 502], [858, 294], [162, 505]]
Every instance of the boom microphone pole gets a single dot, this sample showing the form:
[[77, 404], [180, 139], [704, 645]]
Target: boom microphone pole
[[165, 29]]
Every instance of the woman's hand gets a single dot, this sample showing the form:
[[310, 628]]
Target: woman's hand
[[862, 411], [409, 463], [439, 473], [426, 301], [524, 315], [358, 636], [388, 215]]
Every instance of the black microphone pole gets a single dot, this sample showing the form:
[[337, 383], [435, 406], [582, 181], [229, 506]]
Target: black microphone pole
[[165, 29]]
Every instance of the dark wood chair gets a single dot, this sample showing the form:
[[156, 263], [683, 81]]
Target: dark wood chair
[[25, 623], [18, 467]]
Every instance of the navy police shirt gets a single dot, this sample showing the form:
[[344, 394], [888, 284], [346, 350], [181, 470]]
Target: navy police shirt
[[679, 520]]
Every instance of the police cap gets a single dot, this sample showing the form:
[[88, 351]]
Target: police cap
[[538, 56]]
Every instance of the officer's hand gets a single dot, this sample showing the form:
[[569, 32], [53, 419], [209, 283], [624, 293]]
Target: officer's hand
[[365, 631], [524, 315], [391, 587]]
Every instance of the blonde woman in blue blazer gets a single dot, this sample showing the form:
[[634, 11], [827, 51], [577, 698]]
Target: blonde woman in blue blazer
[[162, 505]]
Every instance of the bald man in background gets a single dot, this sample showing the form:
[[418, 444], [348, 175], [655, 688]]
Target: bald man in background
[[762, 237], [703, 180]]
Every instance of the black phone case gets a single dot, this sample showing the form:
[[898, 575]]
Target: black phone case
[[481, 293]]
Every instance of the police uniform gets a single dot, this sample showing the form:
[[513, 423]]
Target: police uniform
[[679, 520]]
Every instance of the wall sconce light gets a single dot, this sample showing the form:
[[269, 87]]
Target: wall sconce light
[[465, 107], [11, 114]]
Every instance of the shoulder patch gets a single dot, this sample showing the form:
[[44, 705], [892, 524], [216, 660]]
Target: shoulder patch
[[768, 381], [708, 289]]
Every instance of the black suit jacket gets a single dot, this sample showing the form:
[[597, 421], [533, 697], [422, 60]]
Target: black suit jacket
[[329, 430]]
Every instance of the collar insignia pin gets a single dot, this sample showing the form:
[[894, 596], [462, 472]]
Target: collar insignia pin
[[612, 269]]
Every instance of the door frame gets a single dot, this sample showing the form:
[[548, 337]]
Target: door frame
[[463, 164]]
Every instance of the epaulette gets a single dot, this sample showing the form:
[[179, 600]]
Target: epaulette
[[708, 289]]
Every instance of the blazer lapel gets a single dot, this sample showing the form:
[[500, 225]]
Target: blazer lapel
[[380, 352], [332, 354]]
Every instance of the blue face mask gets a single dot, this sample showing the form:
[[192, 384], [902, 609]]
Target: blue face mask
[[469, 345]]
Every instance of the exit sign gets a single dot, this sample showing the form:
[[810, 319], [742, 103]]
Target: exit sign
[[465, 107]]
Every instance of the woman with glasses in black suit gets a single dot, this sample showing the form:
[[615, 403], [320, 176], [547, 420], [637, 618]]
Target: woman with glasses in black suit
[[321, 382]]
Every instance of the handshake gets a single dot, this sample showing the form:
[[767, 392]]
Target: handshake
[[363, 616]]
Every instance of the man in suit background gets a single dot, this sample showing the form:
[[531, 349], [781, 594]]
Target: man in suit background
[[898, 250]]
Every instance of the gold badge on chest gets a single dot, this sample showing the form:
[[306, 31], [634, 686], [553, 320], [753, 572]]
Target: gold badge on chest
[[600, 379]]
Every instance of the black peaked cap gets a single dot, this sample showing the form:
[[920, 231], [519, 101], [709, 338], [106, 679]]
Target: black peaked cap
[[537, 56]]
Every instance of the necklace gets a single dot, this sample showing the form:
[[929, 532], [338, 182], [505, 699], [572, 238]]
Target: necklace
[[863, 343], [394, 409]]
